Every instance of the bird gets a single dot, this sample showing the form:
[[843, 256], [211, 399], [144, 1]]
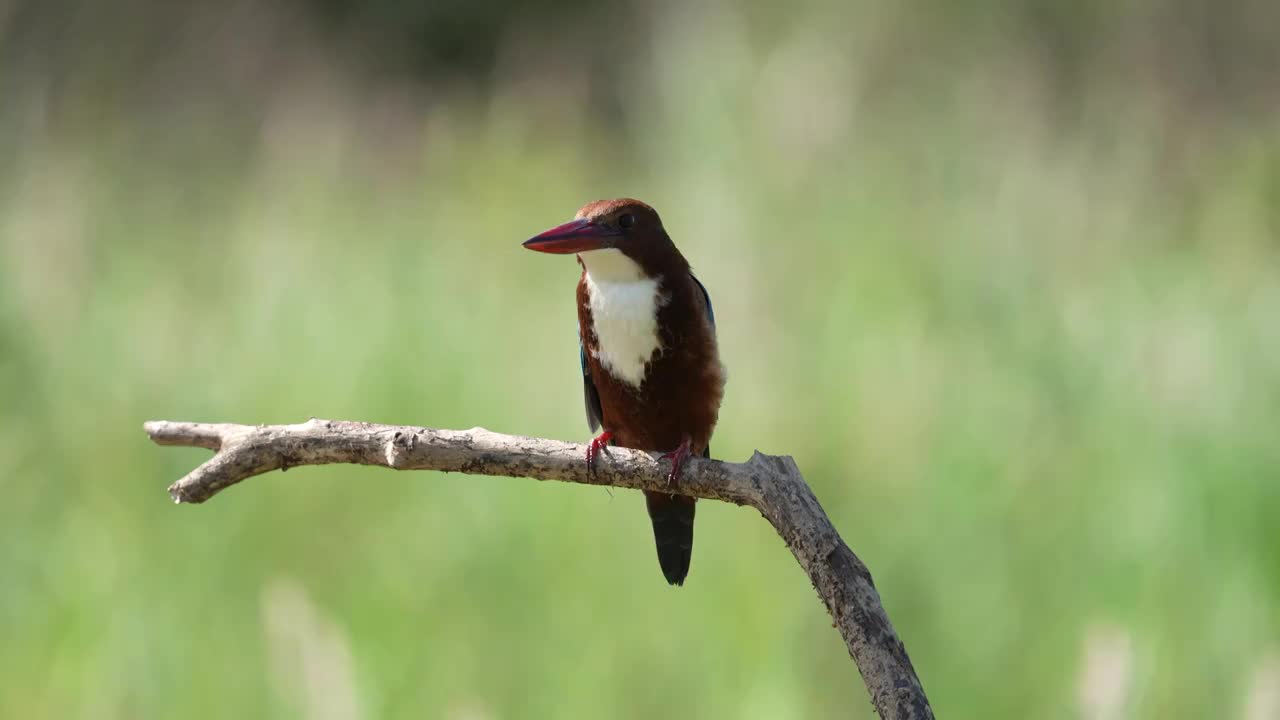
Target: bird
[[651, 372]]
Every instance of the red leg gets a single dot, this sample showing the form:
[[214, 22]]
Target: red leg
[[593, 450], [677, 458]]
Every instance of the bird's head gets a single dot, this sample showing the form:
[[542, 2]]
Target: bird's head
[[614, 240]]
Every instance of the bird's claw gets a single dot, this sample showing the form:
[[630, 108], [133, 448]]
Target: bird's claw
[[593, 450], [677, 458]]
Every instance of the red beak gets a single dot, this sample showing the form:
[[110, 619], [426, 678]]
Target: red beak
[[573, 237]]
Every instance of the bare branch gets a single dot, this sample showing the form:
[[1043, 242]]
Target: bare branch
[[772, 485]]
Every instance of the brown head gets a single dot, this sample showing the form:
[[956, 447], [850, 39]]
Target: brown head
[[605, 231]]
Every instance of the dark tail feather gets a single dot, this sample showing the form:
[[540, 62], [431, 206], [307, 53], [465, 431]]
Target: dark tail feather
[[672, 517]]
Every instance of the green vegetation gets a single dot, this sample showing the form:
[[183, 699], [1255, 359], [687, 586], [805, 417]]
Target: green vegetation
[[1031, 365]]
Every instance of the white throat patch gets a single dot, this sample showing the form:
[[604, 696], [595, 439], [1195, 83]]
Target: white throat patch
[[624, 306]]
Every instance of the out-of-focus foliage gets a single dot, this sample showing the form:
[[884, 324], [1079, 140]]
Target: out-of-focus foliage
[[1002, 276]]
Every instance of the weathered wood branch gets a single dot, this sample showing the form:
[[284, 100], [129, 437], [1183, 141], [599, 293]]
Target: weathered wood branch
[[772, 485]]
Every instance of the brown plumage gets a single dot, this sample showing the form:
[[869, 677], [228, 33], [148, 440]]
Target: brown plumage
[[668, 402]]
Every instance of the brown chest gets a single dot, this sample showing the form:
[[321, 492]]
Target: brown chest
[[652, 355]]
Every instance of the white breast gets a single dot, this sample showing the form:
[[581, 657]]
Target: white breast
[[624, 306]]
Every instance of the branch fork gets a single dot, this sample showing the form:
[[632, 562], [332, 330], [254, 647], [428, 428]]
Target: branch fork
[[772, 485]]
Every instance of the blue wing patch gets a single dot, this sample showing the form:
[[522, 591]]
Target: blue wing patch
[[711, 313], [591, 396]]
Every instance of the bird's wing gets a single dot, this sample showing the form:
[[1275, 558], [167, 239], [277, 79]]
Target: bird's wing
[[711, 314], [595, 414]]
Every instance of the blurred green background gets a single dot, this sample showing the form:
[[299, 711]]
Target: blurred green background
[[1003, 276]]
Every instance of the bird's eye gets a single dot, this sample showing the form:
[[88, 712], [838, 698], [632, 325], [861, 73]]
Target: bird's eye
[[626, 220]]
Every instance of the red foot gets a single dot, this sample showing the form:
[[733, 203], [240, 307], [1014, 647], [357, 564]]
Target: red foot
[[593, 450], [677, 458]]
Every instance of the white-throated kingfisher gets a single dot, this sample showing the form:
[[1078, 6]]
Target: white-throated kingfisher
[[647, 342]]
